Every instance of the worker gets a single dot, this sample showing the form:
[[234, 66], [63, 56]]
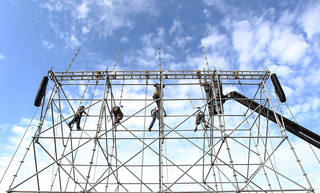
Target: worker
[[199, 118], [210, 100], [155, 114], [77, 118], [157, 93], [118, 115], [209, 94]]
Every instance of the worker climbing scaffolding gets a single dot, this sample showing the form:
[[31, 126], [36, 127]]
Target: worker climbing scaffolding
[[210, 94], [77, 118], [157, 93], [199, 118], [155, 115], [108, 150], [118, 115]]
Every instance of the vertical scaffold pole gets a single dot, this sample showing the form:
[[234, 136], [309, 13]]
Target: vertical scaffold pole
[[101, 116], [73, 59], [115, 63], [205, 57], [160, 128]]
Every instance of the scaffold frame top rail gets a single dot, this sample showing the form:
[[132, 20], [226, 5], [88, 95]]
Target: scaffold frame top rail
[[155, 74], [237, 154]]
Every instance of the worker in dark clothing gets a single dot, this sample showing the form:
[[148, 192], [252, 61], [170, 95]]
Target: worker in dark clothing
[[77, 118], [118, 115], [155, 115], [210, 94], [199, 118], [157, 94]]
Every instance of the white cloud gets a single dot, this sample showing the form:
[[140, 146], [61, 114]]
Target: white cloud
[[207, 12], [315, 103], [56, 6], [18, 130], [250, 39], [287, 91], [287, 46], [217, 4], [146, 39], [105, 16], [176, 26], [124, 39], [215, 40], [283, 71], [72, 42], [149, 51], [310, 20], [47, 44], [85, 30], [1, 56], [295, 51], [56, 28], [182, 41], [181, 38], [81, 11], [160, 32], [313, 75]]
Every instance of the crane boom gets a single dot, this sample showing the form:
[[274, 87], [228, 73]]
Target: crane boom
[[294, 128]]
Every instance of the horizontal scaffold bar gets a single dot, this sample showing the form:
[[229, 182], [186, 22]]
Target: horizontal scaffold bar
[[220, 191], [155, 74]]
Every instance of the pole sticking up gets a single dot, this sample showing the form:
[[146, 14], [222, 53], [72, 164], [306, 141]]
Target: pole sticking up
[[205, 57], [160, 61], [190, 100], [115, 63], [73, 59], [122, 91]]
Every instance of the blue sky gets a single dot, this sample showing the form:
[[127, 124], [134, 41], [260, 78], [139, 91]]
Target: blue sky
[[248, 35]]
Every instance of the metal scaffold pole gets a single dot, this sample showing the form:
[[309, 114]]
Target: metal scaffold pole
[[238, 152], [161, 136]]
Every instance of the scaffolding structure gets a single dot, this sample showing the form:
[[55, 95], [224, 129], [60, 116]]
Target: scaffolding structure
[[237, 153]]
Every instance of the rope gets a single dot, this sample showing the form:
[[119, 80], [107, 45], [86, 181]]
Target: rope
[[19, 145], [302, 132]]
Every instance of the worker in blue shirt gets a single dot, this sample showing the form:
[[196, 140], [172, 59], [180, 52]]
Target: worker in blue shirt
[[77, 118]]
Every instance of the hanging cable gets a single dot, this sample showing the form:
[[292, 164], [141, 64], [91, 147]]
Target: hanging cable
[[19, 145], [314, 153]]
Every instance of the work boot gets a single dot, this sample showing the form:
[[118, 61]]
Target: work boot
[[79, 129], [149, 129], [195, 130]]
